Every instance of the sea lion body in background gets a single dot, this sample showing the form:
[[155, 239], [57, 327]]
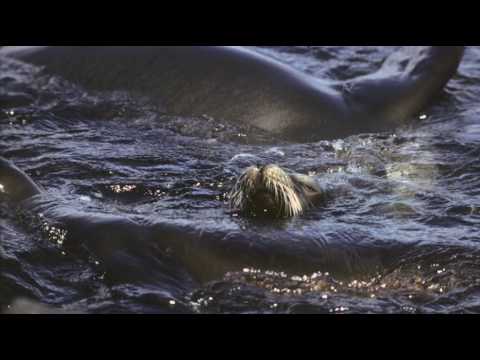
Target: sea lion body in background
[[241, 85]]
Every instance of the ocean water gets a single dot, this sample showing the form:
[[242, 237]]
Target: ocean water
[[134, 217]]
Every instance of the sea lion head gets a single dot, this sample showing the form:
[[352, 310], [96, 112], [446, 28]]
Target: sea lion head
[[271, 191]]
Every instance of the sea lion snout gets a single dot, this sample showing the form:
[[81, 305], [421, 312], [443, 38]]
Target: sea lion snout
[[270, 191]]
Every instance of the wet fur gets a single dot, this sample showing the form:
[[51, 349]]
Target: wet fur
[[292, 194]]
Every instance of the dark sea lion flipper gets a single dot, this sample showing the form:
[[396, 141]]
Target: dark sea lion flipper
[[405, 84], [14, 183]]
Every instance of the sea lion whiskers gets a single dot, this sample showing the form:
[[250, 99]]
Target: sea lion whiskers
[[284, 194], [242, 189], [287, 192], [272, 190]]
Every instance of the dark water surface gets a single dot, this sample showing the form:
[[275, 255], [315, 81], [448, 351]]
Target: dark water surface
[[121, 176]]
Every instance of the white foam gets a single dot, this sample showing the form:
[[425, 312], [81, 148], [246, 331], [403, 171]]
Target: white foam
[[275, 150]]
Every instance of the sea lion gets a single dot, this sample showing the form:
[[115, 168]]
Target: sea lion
[[137, 250], [14, 183], [269, 190], [241, 85], [272, 191]]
